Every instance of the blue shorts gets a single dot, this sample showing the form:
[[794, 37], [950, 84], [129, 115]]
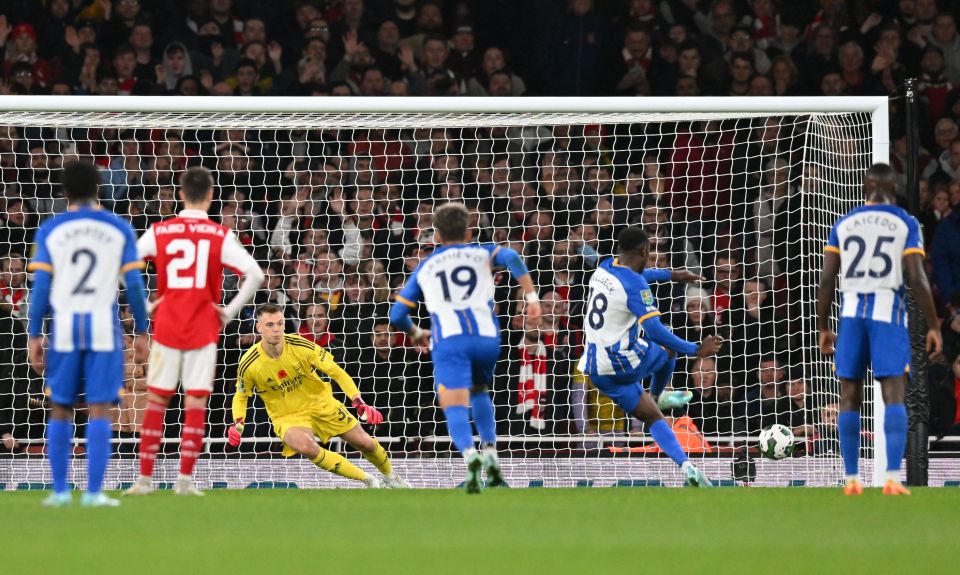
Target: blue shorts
[[885, 345], [625, 389], [464, 361], [97, 374]]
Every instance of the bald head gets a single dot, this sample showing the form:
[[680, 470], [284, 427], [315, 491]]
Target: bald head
[[880, 183]]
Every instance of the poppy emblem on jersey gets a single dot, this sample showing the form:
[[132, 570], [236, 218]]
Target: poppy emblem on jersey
[[647, 297], [282, 374]]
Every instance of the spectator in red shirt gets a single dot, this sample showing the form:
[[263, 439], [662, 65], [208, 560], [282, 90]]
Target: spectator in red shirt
[[23, 48], [726, 276]]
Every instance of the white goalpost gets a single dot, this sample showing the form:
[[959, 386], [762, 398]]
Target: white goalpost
[[334, 198]]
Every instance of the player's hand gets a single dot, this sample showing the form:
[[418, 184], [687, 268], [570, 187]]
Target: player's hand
[[710, 346], [934, 344], [366, 412], [224, 315], [686, 277], [420, 339], [533, 312], [235, 433], [828, 342], [37, 355], [141, 348]]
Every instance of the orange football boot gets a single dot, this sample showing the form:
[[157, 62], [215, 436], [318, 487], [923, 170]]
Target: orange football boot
[[853, 488], [892, 487]]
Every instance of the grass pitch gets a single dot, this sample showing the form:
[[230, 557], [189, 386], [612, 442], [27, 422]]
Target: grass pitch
[[590, 531]]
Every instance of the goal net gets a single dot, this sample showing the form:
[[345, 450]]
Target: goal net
[[337, 207]]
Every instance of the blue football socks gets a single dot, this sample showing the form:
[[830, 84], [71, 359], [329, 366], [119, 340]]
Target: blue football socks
[[483, 417], [848, 424], [59, 434], [98, 453], [458, 425], [895, 431], [662, 377], [667, 441]]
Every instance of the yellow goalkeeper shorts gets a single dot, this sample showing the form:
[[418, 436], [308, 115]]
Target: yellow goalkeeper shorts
[[327, 420]]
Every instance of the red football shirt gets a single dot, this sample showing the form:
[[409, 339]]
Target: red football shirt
[[189, 253]]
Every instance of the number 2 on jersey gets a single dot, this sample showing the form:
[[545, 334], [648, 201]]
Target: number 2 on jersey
[[861, 248], [187, 254]]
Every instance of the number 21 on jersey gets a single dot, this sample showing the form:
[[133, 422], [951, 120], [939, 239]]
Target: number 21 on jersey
[[185, 254]]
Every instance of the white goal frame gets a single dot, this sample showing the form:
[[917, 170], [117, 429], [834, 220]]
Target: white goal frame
[[667, 109]]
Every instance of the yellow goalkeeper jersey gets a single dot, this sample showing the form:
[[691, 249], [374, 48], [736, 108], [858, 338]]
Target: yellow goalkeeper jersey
[[289, 384]]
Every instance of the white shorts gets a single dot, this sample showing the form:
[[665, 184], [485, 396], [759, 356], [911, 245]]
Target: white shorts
[[194, 367]]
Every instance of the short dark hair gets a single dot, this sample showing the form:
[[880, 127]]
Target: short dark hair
[[268, 308], [632, 238], [195, 183], [80, 181], [452, 221]]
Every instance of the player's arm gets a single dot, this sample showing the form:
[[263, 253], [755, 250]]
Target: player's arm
[[920, 286], [323, 360], [405, 302], [42, 268], [502, 256], [828, 284], [234, 256], [640, 302], [238, 406], [658, 275]]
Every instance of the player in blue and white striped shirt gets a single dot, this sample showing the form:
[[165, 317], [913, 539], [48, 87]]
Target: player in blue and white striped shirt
[[456, 284], [617, 359], [871, 247], [80, 256]]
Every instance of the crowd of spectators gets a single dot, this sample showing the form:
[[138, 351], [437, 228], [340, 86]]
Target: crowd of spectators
[[339, 217]]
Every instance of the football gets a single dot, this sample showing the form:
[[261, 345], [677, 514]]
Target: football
[[776, 441]]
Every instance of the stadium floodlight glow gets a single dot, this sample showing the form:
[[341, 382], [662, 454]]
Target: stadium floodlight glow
[[713, 167]]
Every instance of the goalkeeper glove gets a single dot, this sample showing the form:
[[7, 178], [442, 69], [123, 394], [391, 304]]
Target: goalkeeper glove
[[235, 433], [367, 413]]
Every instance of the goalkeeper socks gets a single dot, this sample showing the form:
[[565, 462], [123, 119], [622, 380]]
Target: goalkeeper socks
[[336, 463], [59, 434], [667, 441], [848, 424], [378, 458], [662, 377], [458, 426], [151, 432], [483, 417], [895, 431], [98, 452], [191, 438]]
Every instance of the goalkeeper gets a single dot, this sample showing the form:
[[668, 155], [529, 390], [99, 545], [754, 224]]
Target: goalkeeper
[[283, 368]]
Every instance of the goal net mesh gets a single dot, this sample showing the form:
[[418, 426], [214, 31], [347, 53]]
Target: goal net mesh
[[338, 207]]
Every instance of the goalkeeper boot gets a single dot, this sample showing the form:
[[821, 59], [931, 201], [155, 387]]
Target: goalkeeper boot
[[185, 486], [474, 466], [853, 487], [371, 482], [491, 463], [694, 477], [674, 399], [894, 487], [99, 499], [58, 500], [143, 486], [394, 481]]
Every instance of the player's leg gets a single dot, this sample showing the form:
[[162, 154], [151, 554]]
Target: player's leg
[[103, 375], [484, 360], [373, 452], [451, 368], [302, 440], [646, 410], [661, 378], [163, 373], [851, 364], [197, 371], [62, 375], [890, 356]]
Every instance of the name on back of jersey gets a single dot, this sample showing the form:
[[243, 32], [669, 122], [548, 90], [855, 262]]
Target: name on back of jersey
[[195, 228], [76, 231], [854, 223], [475, 256]]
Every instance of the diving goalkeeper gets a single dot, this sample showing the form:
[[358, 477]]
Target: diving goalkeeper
[[283, 368]]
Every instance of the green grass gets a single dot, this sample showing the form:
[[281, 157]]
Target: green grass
[[591, 531]]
